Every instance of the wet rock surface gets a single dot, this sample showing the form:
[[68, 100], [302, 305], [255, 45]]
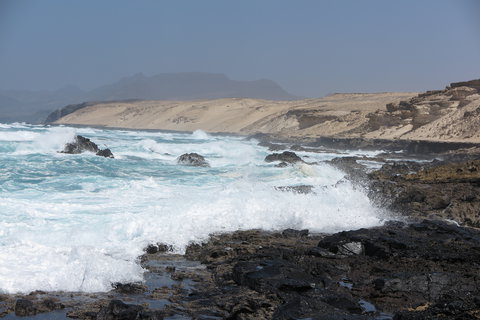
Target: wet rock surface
[[284, 157], [401, 271], [435, 189], [82, 144], [192, 159]]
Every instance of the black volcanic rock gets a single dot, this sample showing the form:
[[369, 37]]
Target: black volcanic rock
[[434, 189], [426, 269], [286, 156], [82, 144], [107, 153], [24, 307], [116, 309], [192, 159]]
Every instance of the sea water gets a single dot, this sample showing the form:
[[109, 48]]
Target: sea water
[[80, 222]]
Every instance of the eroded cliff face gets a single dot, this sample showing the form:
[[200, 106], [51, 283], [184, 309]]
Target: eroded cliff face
[[452, 114]]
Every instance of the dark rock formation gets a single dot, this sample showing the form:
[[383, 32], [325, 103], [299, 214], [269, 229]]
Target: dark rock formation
[[401, 271], [282, 164], [82, 144], [117, 310], [435, 189], [158, 247], [409, 147], [475, 84], [291, 233], [286, 156], [192, 159], [107, 153], [129, 288], [71, 108], [24, 307]]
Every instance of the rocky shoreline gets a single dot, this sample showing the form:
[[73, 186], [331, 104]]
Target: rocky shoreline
[[425, 265]]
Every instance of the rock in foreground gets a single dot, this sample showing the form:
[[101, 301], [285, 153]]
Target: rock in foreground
[[424, 270], [192, 159], [82, 144]]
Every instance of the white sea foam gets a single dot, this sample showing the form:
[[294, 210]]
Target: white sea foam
[[200, 135], [79, 222], [17, 136], [51, 140]]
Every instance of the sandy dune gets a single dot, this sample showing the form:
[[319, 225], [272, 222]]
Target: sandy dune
[[231, 115], [452, 114]]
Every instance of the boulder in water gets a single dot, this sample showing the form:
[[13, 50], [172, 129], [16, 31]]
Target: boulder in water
[[107, 153], [82, 144], [285, 156], [192, 159]]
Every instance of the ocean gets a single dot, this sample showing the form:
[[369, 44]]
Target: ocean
[[80, 222]]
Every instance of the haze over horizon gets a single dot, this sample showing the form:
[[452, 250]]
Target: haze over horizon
[[310, 48]]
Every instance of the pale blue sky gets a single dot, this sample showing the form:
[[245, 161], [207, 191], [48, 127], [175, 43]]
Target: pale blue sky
[[311, 48]]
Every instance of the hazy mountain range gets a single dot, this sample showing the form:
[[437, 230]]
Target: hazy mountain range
[[34, 106]]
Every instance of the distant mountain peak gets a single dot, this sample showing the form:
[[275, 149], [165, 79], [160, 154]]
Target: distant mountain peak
[[189, 85]]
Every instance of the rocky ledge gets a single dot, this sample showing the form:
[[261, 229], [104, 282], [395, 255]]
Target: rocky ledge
[[433, 189], [428, 269]]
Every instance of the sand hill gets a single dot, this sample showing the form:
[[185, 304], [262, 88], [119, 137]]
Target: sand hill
[[452, 114]]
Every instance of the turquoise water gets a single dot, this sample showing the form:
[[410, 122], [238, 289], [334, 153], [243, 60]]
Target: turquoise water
[[79, 222]]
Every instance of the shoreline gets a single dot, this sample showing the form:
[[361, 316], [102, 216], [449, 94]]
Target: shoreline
[[410, 147]]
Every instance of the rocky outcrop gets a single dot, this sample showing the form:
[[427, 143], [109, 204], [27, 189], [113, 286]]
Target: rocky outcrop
[[447, 114], [82, 144], [473, 84], [118, 310], [71, 108], [434, 189], [192, 159], [26, 307]]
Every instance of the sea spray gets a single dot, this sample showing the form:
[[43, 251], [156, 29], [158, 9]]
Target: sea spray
[[79, 222]]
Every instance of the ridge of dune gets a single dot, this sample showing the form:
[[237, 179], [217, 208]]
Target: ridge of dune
[[229, 115], [452, 114]]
